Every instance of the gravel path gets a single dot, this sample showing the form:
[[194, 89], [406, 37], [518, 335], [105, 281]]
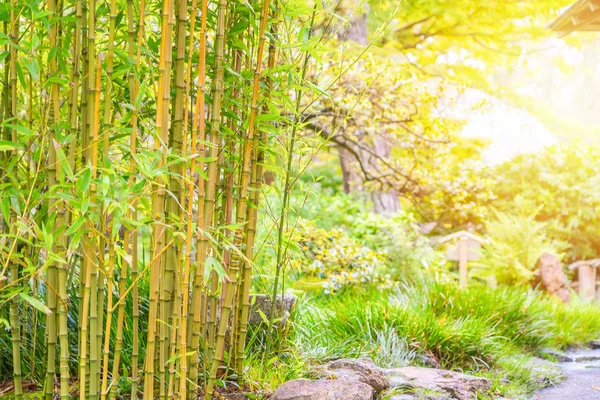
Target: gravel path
[[583, 379]]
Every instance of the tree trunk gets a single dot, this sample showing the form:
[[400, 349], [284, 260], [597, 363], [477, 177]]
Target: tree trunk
[[384, 201]]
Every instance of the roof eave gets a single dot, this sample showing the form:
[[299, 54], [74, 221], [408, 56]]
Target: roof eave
[[578, 17]]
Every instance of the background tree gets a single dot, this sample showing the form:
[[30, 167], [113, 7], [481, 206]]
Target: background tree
[[417, 63]]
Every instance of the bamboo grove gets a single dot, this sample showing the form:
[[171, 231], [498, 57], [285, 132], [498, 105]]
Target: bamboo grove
[[133, 143]]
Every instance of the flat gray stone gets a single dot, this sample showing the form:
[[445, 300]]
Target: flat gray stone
[[403, 397], [400, 382], [363, 370], [262, 303], [337, 389], [555, 355], [450, 383], [594, 344]]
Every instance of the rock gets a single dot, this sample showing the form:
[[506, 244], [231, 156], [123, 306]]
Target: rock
[[545, 372], [455, 384], [337, 389], [433, 397], [555, 355], [262, 302], [363, 370], [400, 382], [586, 359], [594, 344], [428, 361], [403, 397], [551, 277]]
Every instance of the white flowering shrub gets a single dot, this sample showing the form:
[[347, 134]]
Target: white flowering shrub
[[336, 259]]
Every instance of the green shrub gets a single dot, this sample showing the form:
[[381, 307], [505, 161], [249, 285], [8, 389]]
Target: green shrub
[[560, 184], [515, 243], [336, 259]]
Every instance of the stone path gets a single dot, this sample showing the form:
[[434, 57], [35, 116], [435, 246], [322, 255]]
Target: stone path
[[583, 379]]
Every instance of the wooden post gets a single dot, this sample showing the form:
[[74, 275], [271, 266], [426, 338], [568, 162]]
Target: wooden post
[[467, 249], [593, 272], [587, 281], [462, 261]]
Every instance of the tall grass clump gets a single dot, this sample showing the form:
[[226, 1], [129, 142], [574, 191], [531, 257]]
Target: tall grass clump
[[465, 329]]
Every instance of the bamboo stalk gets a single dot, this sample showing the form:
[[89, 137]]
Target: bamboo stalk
[[89, 255], [174, 216], [209, 214], [95, 300], [108, 269], [256, 181], [182, 339], [241, 206], [158, 202], [134, 235], [130, 238], [198, 126], [169, 257], [15, 324], [54, 173], [109, 310], [286, 192], [74, 79]]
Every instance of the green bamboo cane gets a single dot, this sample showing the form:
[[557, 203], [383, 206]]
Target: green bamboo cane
[[53, 173], [14, 269], [130, 239], [169, 256], [81, 17], [241, 206], [209, 214], [256, 181], [109, 310], [94, 287], [198, 125], [158, 204], [105, 147], [134, 251]]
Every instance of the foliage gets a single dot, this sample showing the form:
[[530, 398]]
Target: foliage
[[390, 115], [133, 139], [340, 261], [462, 40], [406, 253], [393, 133], [559, 184], [515, 242], [476, 330]]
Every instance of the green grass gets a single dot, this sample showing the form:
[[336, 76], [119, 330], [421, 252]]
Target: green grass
[[488, 332], [33, 340]]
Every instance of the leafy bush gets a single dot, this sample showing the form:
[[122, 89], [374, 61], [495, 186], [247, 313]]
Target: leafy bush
[[340, 261], [515, 243], [561, 184], [407, 254], [345, 244]]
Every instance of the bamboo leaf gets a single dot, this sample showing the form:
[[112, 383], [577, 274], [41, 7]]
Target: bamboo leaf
[[76, 226], [21, 129], [64, 163], [83, 184], [7, 145], [212, 264], [140, 95], [35, 303], [33, 68]]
